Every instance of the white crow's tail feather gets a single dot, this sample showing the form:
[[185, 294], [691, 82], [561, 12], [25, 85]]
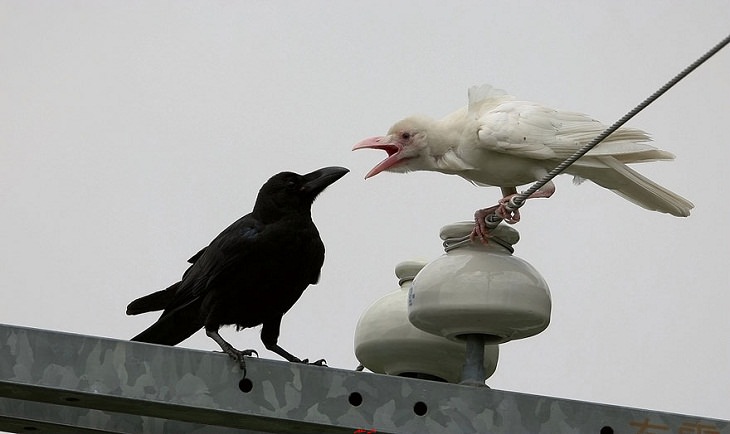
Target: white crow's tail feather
[[633, 186]]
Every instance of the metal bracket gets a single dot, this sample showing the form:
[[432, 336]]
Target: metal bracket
[[66, 383]]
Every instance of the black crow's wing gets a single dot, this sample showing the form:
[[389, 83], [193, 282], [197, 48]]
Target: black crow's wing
[[182, 317], [236, 245], [197, 256]]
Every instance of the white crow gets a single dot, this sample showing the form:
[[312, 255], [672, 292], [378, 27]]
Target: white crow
[[499, 141]]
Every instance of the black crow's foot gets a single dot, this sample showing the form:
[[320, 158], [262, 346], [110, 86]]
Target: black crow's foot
[[239, 356], [320, 362], [360, 368], [234, 353]]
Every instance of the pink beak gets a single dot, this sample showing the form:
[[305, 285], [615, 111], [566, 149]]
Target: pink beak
[[381, 142]]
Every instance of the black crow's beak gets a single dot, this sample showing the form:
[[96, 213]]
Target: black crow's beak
[[315, 182]]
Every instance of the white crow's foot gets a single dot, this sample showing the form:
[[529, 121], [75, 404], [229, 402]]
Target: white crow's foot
[[513, 217], [504, 213], [481, 231]]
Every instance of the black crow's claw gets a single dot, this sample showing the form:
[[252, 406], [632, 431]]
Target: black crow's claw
[[235, 353], [239, 356], [320, 362]]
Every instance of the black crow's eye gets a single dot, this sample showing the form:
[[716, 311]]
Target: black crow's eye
[[290, 181]]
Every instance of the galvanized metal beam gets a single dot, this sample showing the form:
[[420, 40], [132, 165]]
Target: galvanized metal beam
[[60, 382]]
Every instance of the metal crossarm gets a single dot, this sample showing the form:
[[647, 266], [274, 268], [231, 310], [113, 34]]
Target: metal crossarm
[[63, 383]]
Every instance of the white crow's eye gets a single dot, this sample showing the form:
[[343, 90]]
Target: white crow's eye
[[405, 135]]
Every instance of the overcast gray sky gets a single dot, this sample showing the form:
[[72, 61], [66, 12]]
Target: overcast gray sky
[[132, 133]]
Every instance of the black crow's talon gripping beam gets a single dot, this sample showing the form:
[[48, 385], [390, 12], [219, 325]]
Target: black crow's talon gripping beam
[[239, 356], [320, 362]]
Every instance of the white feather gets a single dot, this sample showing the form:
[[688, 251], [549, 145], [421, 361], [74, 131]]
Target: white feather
[[500, 141]]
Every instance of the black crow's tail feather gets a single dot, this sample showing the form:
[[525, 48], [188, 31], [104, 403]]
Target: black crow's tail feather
[[173, 327], [168, 331], [156, 301]]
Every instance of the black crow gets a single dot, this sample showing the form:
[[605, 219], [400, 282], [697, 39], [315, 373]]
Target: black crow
[[250, 274]]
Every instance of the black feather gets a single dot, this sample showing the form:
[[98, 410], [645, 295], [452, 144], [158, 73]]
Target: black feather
[[250, 274]]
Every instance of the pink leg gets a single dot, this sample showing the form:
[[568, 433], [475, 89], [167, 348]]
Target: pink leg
[[480, 229], [480, 225]]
